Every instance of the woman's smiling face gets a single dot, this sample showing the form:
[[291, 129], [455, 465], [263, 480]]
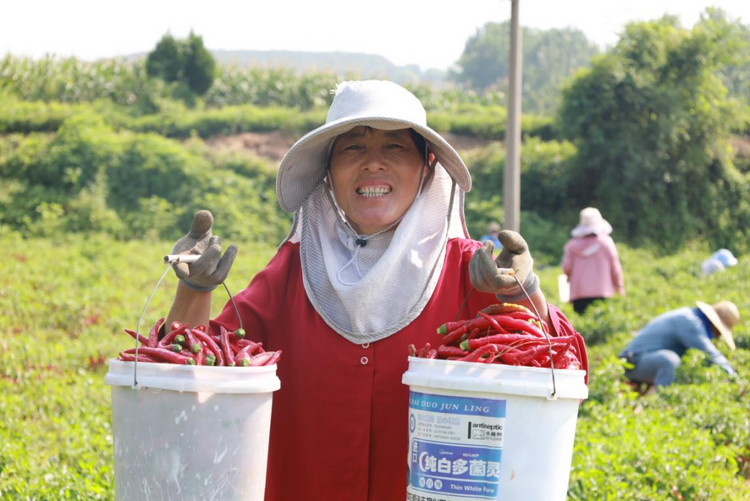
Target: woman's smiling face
[[375, 175]]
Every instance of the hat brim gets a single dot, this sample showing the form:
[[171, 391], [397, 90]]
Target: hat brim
[[304, 165], [601, 228], [724, 332]]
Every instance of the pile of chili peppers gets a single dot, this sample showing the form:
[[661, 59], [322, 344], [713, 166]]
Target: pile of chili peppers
[[185, 346], [507, 334]]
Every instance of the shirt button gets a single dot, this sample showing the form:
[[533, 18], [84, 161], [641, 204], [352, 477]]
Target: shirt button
[[364, 360], [366, 345]]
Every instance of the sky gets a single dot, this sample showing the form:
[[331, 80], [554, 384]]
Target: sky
[[428, 33]]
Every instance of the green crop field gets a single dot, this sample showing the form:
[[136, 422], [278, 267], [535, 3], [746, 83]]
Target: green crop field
[[64, 303]]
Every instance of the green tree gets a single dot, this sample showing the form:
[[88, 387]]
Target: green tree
[[183, 61], [735, 72], [549, 57], [199, 67], [651, 122], [166, 60]]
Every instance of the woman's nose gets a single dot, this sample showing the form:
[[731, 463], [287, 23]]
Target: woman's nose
[[374, 159]]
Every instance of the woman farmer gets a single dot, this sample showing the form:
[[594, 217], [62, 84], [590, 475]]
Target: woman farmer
[[591, 261], [377, 258]]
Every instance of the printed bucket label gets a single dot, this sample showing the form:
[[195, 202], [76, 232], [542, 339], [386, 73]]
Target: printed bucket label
[[455, 447]]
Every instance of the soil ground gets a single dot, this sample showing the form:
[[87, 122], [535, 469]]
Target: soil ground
[[273, 145]]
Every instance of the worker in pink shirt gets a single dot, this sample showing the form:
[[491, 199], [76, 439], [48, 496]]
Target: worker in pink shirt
[[591, 262]]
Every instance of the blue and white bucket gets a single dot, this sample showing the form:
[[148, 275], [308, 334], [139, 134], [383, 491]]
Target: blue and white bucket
[[490, 431]]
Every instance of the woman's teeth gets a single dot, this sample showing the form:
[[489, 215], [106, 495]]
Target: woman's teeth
[[374, 191]]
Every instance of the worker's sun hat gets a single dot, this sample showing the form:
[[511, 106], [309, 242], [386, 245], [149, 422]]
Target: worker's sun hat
[[591, 222], [711, 265], [726, 257], [723, 315], [375, 103]]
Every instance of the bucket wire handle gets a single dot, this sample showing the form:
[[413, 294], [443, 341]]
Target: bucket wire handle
[[538, 316], [168, 260]]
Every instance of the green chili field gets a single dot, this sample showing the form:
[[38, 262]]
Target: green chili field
[[64, 303]]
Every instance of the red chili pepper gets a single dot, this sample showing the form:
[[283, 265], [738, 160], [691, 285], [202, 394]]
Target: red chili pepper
[[249, 349], [140, 337], [513, 324], [260, 358], [422, 353], [504, 339], [153, 334], [492, 322], [509, 356], [474, 333], [454, 336], [200, 358], [476, 355], [164, 355], [170, 337], [192, 342], [526, 356], [275, 358], [127, 357], [450, 326], [520, 315], [450, 351], [480, 323], [226, 348], [211, 344], [561, 351]]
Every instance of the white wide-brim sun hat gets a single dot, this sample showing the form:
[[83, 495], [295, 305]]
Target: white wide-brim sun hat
[[591, 222], [723, 315], [375, 103]]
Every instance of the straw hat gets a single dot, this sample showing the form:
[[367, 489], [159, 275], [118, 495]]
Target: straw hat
[[591, 222], [375, 103], [723, 315]]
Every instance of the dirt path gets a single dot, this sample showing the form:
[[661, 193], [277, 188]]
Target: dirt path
[[273, 145]]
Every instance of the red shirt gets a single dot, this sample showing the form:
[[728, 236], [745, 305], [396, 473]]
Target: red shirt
[[339, 428]]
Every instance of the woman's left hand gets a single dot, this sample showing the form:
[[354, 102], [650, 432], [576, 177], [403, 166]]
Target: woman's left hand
[[485, 275]]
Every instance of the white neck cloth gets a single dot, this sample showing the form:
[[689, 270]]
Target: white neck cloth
[[392, 277]]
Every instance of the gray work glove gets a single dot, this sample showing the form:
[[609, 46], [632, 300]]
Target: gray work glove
[[211, 269], [485, 276]]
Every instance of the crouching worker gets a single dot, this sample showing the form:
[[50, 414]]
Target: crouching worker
[[656, 350]]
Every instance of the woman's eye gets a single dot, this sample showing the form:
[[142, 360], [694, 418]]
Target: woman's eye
[[352, 147], [395, 146]]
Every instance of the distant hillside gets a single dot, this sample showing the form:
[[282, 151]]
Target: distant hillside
[[344, 63]]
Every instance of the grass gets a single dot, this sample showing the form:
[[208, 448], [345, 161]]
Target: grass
[[65, 301]]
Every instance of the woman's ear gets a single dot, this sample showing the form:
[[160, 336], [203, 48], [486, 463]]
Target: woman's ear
[[431, 158]]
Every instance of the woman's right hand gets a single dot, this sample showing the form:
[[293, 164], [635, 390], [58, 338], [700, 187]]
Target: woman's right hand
[[211, 269]]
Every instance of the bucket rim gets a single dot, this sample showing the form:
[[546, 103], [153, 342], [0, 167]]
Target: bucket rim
[[192, 378], [167, 367], [471, 377], [515, 368]]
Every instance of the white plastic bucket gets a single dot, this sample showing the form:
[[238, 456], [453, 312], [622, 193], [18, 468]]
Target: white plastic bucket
[[490, 431], [191, 432]]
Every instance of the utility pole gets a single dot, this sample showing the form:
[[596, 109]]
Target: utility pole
[[512, 177]]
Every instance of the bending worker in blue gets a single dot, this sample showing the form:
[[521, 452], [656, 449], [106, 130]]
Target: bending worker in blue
[[656, 350]]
